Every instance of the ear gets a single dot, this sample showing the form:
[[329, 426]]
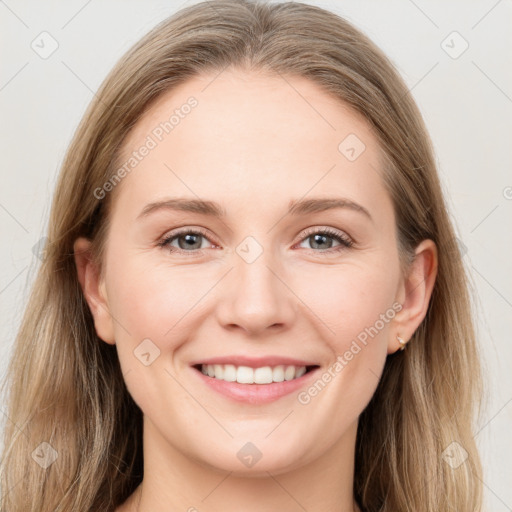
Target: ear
[[414, 294], [94, 290]]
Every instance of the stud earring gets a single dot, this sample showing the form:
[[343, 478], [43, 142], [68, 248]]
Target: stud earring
[[402, 342]]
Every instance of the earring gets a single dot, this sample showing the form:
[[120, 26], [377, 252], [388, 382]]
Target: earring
[[402, 342]]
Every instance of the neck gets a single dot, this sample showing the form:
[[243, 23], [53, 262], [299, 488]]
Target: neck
[[174, 480]]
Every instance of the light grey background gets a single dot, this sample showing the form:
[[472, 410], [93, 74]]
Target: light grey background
[[466, 101]]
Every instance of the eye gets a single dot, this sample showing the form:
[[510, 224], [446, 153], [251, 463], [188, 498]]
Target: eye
[[188, 240], [319, 238]]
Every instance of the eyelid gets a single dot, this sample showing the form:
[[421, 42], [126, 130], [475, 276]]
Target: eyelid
[[325, 229]]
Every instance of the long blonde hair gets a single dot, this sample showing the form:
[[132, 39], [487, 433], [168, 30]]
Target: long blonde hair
[[65, 385]]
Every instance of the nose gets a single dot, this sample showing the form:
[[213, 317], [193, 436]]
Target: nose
[[256, 297]]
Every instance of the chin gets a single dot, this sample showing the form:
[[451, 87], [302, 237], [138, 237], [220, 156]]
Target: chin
[[254, 459]]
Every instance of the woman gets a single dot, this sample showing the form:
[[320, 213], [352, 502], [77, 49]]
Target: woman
[[264, 368]]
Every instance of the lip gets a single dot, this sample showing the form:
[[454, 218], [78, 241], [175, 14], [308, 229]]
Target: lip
[[256, 394], [255, 362]]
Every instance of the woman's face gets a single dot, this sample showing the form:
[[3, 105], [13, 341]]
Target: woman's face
[[262, 285]]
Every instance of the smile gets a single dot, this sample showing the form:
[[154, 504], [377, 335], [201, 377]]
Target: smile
[[248, 375], [255, 386]]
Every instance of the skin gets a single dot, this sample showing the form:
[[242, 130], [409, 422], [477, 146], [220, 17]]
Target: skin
[[252, 144]]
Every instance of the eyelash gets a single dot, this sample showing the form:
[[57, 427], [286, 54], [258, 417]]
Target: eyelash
[[345, 242]]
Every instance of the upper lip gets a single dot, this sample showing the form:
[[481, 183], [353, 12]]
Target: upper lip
[[254, 362]]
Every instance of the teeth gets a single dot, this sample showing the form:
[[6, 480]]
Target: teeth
[[229, 373], [247, 375], [263, 375], [300, 372]]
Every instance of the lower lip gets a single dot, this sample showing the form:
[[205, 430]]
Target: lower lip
[[255, 393]]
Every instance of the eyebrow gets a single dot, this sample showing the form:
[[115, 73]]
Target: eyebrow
[[213, 209]]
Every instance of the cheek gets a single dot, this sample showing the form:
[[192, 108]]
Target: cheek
[[153, 306], [154, 300], [350, 300], [356, 303]]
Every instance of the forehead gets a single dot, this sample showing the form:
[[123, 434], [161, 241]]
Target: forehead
[[252, 136]]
